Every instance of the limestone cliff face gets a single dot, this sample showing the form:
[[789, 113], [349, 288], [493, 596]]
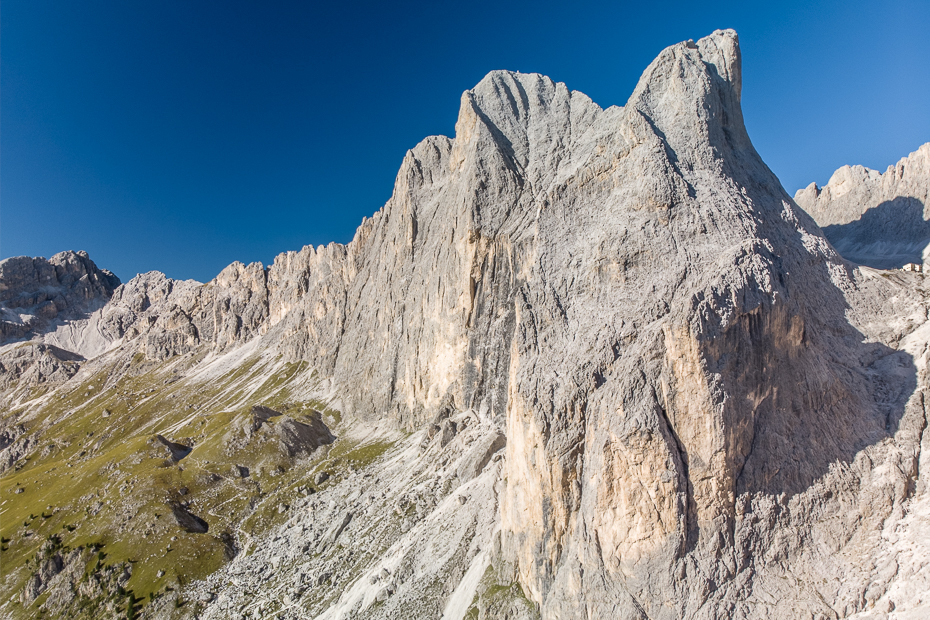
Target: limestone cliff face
[[661, 331], [35, 292], [707, 412], [877, 219]]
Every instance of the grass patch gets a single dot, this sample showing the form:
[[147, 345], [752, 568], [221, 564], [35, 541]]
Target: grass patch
[[105, 483]]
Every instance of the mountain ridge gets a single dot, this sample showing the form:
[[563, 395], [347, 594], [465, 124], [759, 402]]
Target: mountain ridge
[[615, 342], [879, 219]]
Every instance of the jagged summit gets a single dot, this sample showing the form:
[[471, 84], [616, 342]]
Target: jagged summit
[[622, 374], [877, 219], [690, 94], [36, 292]]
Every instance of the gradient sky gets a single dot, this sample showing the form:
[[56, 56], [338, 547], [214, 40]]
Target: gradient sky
[[180, 136]]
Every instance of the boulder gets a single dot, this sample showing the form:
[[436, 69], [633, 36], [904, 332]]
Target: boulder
[[300, 439], [176, 451], [479, 454], [188, 521]]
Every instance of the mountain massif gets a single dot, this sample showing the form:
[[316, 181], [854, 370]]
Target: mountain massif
[[584, 363], [877, 219]]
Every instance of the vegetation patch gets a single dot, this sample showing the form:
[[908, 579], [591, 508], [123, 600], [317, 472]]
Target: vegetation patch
[[96, 478]]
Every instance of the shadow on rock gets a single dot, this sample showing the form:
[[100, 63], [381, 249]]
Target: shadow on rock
[[806, 389], [188, 521], [887, 236]]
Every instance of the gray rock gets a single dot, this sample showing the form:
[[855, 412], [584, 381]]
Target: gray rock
[[51, 564], [708, 412], [300, 439], [188, 520], [338, 526], [175, 451], [479, 455], [877, 219], [35, 292], [34, 364], [260, 415], [447, 431]]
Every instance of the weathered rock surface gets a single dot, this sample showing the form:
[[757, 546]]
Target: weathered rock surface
[[174, 451], [293, 438], [35, 292], [72, 583], [877, 219], [188, 521], [50, 564], [51, 300], [702, 410], [260, 415], [299, 439], [31, 365], [664, 336]]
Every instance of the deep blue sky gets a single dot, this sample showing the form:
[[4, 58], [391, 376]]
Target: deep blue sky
[[183, 135]]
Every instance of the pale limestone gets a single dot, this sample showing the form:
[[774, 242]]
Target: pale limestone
[[877, 219], [707, 411]]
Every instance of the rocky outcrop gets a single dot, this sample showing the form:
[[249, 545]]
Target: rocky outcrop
[[260, 415], [188, 521], [174, 451], [162, 318], [702, 410], [297, 439], [73, 582], [664, 336], [35, 292], [291, 438], [50, 562], [877, 219], [31, 364]]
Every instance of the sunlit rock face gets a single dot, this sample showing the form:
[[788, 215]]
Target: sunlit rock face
[[35, 292], [613, 328], [881, 220]]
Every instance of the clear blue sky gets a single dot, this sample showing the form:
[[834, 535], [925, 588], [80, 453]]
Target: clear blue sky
[[183, 135]]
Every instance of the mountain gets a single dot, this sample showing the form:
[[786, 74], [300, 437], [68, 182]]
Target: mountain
[[881, 220], [36, 293], [585, 362]]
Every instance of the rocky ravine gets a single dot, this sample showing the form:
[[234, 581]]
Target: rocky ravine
[[584, 363]]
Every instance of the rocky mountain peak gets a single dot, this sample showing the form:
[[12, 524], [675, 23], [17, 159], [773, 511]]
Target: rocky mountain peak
[[615, 370], [34, 292], [690, 94]]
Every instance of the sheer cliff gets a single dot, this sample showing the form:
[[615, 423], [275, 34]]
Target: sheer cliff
[[623, 374], [877, 219], [35, 293]]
